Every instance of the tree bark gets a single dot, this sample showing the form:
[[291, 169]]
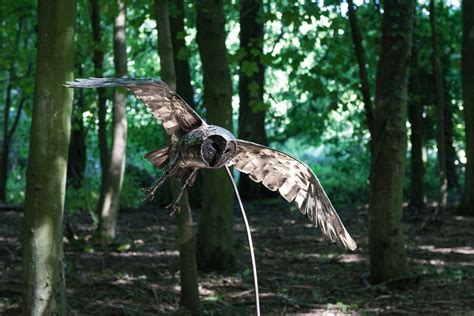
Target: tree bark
[[440, 132], [77, 147], [415, 115], [467, 78], [216, 237], [362, 63], [42, 235], [185, 234], [98, 60], [388, 258], [252, 110], [116, 166]]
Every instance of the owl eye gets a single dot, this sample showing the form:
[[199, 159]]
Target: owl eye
[[215, 146]]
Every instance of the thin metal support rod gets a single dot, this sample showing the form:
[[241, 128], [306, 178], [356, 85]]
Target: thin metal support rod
[[249, 236]]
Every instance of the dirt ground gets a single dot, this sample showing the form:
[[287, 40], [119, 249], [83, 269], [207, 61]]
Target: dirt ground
[[299, 271]]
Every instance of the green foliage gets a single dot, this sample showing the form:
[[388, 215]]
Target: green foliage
[[85, 198], [311, 92]]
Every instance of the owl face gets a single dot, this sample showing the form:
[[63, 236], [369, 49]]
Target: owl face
[[218, 148]]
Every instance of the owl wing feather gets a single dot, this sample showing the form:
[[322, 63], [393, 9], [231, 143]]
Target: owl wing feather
[[167, 106], [296, 183]]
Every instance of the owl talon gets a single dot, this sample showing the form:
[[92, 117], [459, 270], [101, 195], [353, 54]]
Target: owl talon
[[149, 194], [174, 207]]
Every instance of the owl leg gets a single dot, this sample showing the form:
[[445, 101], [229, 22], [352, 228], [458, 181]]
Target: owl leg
[[167, 172], [150, 192], [174, 207]]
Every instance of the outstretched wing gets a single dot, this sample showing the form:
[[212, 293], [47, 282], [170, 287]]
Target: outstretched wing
[[296, 182], [176, 115]]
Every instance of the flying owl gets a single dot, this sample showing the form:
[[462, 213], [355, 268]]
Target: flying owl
[[196, 145]]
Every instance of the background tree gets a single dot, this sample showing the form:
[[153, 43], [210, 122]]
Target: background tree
[[9, 129], [467, 77], [77, 146], [186, 237], [388, 258], [362, 64], [116, 167], [98, 60], [181, 52], [216, 237], [252, 109], [43, 262], [440, 112], [415, 116]]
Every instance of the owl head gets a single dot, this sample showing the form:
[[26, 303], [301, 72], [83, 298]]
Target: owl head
[[218, 148]]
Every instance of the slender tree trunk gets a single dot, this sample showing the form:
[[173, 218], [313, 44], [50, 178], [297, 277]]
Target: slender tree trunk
[[388, 258], [98, 60], [116, 166], [467, 78], [252, 110], [451, 157], [77, 146], [415, 115], [216, 237], [183, 80], [4, 157], [185, 234], [361, 61], [440, 133], [42, 239], [6, 143], [181, 65]]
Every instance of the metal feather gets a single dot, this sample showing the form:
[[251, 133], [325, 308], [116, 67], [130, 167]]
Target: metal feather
[[296, 183]]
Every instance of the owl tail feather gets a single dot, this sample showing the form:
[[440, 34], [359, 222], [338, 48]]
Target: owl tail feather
[[158, 157]]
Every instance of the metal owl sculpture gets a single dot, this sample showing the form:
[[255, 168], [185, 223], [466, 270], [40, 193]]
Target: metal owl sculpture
[[196, 145]]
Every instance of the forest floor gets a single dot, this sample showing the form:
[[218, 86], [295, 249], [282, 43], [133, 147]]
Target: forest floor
[[299, 271]]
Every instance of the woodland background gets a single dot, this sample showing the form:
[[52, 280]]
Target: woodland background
[[375, 96]]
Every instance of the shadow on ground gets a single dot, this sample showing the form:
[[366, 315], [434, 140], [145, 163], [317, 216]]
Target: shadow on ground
[[299, 271]]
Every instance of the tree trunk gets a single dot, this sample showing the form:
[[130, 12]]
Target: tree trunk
[[252, 110], [181, 65], [183, 80], [216, 237], [98, 60], [467, 78], [6, 142], [42, 239], [77, 147], [4, 157], [451, 157], [185, 234], [116, 166], [415, 116], [361, 61], [388, 259], [440, 132]]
